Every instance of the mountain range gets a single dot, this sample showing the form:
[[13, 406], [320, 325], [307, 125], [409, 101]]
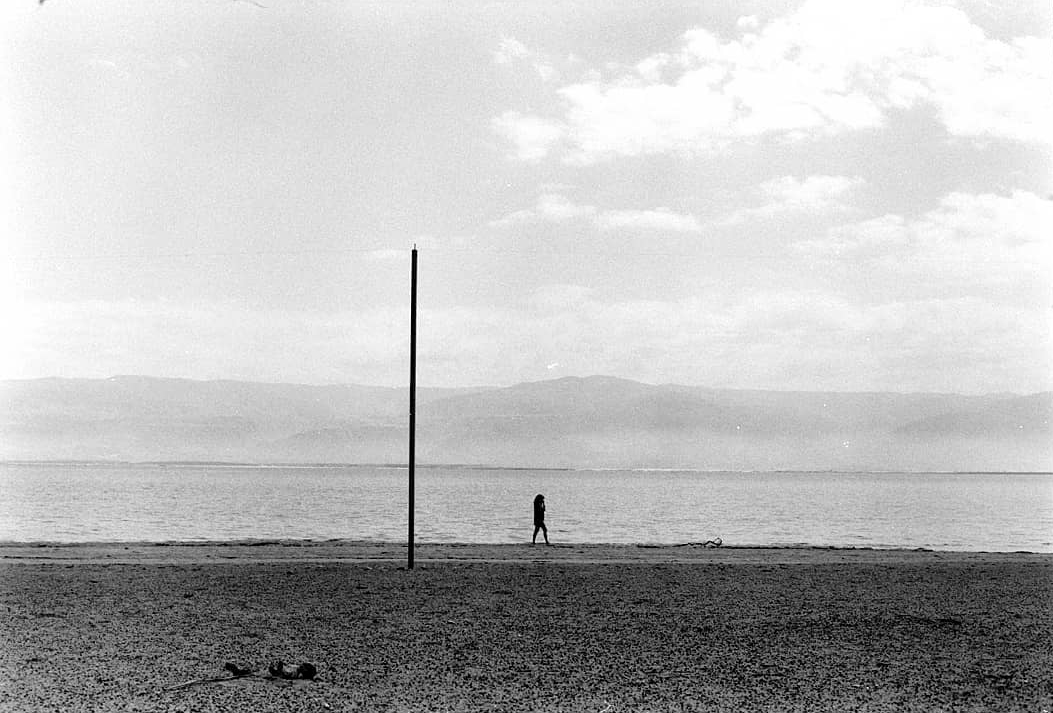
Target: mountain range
[[570, 422]]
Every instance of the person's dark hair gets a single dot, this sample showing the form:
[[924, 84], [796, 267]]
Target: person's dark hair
[[539, 497]]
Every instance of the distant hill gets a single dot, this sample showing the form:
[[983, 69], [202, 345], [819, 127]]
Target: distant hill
[[571, 422]]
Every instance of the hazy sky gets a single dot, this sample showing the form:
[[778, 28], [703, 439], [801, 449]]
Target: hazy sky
[[818, 195]]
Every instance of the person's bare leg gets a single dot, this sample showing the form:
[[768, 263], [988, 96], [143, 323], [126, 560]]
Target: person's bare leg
[[545, 530], [533, 540]]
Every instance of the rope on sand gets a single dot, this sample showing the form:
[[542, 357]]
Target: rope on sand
[[715, 542]]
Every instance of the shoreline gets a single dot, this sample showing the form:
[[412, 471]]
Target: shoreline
[[350, 551], [175, 464]]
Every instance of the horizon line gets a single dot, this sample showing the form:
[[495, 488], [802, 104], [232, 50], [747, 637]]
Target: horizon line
[[511, 468], [493, 387]]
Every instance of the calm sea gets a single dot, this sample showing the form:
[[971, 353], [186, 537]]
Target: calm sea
[[98, 503]]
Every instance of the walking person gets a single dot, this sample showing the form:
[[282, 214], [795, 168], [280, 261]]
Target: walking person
[[539, 518]]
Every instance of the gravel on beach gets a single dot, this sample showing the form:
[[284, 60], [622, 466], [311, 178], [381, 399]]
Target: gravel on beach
[[521, 628]]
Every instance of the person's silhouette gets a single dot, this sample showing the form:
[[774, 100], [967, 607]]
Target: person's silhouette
[[539, 518]]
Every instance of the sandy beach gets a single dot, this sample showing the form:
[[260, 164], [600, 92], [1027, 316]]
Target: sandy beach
[[600, 628]]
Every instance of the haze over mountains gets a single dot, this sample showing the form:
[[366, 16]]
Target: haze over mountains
[[569, 422]]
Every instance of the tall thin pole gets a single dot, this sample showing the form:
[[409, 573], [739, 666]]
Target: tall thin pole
[[412, 395]]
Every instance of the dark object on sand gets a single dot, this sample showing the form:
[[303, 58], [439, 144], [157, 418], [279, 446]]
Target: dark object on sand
[[237, 671], [305, 670]]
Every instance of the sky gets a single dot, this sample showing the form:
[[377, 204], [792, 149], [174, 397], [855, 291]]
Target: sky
[[818, 195]]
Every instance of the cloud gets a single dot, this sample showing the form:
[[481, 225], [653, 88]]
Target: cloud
[[830, 67], [763, 338], [1000, 245], [532, 136], [810, 192], [556, 297], [387, 255], [813, 195], [551, 208], [555, 208], [208, 340], [511, 51], [748, 22], [770, 339], [423, 241], [660, 219]]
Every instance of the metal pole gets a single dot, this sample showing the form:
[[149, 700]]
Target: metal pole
[[412, 395]]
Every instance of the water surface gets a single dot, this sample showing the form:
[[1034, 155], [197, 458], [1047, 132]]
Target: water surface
[[107, 503]]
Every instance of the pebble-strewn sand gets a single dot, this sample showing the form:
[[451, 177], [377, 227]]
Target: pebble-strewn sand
[[515, 628]]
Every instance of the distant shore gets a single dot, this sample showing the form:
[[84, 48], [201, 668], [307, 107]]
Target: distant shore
[[521, 627], [485, 466]]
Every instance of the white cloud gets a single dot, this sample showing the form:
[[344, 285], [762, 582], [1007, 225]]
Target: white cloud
[[106, 65], [551, 208], [510, 51], [208, 340], [987, 89], [652, 68], [548, 298], [810, 192], [813, 195], [768, 338], [807, 339], [829, 67], [532, 136], [555, 208], [661, 219], [387, 255], [1000, 245], [518, 217], [747, 22]]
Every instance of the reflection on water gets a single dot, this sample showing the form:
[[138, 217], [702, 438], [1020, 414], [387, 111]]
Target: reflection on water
[[62, 502]]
